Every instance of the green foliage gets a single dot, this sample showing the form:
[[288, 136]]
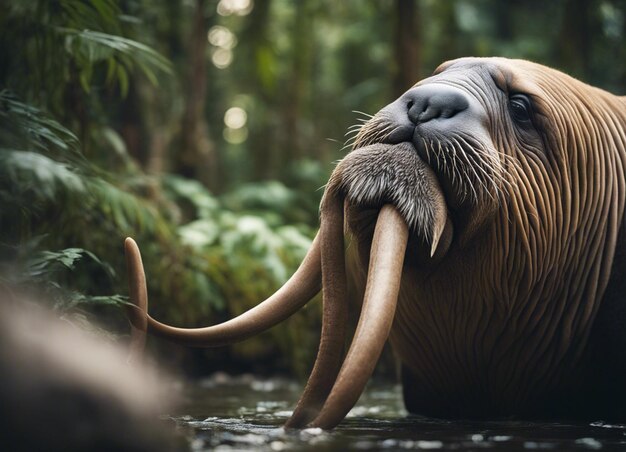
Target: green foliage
[[45, 274], [245, 241], [202, 258], [25, 126], [43, 168], [120, 54], [51, 195], [73, 40]]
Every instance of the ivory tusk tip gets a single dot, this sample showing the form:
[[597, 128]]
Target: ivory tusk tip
[[438, 227], [433, 247], [437, 233], [130, 245]]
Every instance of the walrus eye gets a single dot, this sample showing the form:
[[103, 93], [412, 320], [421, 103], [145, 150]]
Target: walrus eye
[[520, 108]]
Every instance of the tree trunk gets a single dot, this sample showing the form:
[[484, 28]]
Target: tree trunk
[[575, 40], [162, 119], [447, 46], [299, 84], [406, 46], [197, 156], [503, 15], [258, 50]]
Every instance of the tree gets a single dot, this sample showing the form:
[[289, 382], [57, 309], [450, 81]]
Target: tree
[[197, 156], [407, 45]]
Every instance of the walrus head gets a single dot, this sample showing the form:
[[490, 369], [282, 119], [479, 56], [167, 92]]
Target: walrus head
[[487, 199]]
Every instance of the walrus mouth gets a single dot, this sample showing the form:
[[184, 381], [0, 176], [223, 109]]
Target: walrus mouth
[[378, 174], [361, 180]]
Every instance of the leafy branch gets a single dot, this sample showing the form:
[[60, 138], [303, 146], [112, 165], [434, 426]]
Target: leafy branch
[[88, 47]]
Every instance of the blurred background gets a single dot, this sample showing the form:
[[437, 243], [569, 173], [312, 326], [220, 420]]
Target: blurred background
[[206, 130]]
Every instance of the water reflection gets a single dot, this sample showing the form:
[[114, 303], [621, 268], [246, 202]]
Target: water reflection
[[244, 413]]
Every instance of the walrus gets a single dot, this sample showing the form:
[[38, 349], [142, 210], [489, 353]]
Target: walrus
[[485, 210]]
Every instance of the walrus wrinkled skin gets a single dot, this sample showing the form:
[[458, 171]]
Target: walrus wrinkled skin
[[486, 212], [525, 312]]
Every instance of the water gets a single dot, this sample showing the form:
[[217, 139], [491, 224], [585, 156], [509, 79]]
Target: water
[[225, 413]]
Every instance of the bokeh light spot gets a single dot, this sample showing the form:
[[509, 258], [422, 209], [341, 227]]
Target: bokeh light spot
[[235, 118]]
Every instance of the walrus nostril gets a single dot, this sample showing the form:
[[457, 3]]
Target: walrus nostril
[[425, 103]]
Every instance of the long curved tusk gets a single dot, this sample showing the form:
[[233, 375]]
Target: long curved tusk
[[137, 314], [295, 293], [330, 352], [379, 306]]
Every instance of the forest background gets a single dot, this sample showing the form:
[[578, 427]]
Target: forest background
[[206, 129]]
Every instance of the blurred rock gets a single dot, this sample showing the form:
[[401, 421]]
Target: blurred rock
[[62, 389]]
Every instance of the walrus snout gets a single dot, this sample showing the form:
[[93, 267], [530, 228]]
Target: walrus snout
[[446, 124], [429, 102], [437, 104]]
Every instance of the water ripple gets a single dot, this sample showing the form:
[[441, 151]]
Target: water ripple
[[244, 413]]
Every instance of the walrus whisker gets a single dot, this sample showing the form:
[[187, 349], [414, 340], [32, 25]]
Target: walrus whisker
[[491, 187], [438, 157], [351, 133], [493, 191], [351, 136], [428, 148], [295, 293], [335, 312], [461, 155], [509, 163], [453, 158], [391, 132], [371, 130], [494, 166], [454, 168], [448, 167], [363, 119], [485, 190], [463, 178], [381, 134], [377, 314], [492, 159], [354, 128], [367, 115], [348, 144]]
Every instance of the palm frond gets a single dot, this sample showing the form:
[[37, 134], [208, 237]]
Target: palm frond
[[73, 299], [89, 47], [123, 209], [26, 173], [44, 274], [92, 14], [23, 124], [48, 262]]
